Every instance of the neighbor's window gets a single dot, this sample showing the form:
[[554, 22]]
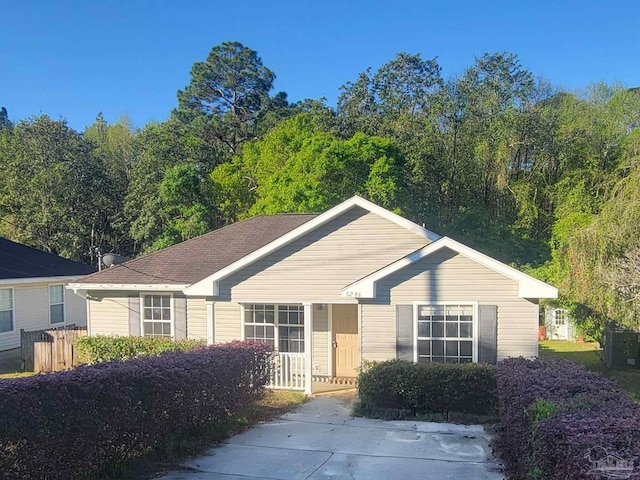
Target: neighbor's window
[[6, 310], [56, 303], [561, 316], [284, 331], [156, 315], [445, 333]]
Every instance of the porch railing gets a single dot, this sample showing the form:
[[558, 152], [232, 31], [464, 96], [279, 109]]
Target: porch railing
[[288, 371]]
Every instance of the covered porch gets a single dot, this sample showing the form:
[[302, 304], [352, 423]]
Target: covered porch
[[318, 350]]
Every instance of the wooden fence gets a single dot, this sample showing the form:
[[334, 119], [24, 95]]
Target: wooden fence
[[50, 350]]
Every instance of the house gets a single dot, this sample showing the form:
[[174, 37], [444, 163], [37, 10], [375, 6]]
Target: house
[[33, 294], [558, 324], [328, 291]]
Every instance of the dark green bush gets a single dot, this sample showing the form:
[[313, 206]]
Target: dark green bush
[[84, 422], [438, 388], [103, 348]]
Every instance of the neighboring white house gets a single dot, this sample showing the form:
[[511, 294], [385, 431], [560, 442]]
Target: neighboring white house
[[33, 294], [328, 291], [558, 324]]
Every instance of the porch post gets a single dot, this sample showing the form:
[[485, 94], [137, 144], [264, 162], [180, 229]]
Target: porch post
[[308, 347], [210, 330]]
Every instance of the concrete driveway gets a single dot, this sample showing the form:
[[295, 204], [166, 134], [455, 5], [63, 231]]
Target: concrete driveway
[[321, 440]]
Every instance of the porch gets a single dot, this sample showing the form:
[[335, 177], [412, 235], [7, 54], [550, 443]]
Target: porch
[[328, 344]]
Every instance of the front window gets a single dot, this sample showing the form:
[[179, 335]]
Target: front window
[[56, 304], [156, 316], [445, 333], [284, 331], [291, 328], [561, 316], [259, 323], [6, 310]]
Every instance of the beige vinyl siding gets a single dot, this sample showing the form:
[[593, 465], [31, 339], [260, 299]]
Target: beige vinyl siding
[[75, 309], [320, 339], [378, 332], [228, 322], [449, 277], [31, 311], [318, 266], [109, 312], [196, 318]]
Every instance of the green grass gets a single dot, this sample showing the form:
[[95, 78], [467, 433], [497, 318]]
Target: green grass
[[590, 355], [16, 374]]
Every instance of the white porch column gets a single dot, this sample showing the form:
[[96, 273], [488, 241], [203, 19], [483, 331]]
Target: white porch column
[[308, 347], [210, 319]]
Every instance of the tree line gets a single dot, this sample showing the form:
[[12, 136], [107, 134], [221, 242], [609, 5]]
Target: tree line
[[538, 177]]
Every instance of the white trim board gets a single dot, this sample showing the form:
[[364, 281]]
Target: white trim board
[[158, 287], [210, 285], [528, 287], [26, 280]]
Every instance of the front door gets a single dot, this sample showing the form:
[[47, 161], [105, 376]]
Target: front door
[[346, 349]]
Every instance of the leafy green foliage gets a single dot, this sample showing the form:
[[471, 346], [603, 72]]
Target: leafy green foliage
[[428, 388], [103, 348], [298, 168]]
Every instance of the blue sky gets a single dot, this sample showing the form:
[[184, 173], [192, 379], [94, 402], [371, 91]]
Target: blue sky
[[73, 59]]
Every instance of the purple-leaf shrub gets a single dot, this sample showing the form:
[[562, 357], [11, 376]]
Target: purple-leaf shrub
[[557, 420], [79, 422]]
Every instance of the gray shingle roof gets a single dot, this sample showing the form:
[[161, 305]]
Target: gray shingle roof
[[20, 261], [193, 260]]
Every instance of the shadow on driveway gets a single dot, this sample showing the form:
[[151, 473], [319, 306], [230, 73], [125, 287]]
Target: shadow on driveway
[[321, 440]]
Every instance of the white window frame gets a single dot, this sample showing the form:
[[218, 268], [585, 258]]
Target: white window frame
[[172, 320], [474, 338], [560, 317], [64, 304], [276, 324], [13, 311]]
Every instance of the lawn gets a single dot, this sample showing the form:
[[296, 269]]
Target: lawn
[[590, 355], [16, 374]]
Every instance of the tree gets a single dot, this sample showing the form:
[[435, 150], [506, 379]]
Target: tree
[[158, 148], [230, 89], [52, 190], [4, 119], [300, 168], [185, 211]]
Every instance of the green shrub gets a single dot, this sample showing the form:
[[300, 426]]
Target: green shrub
[[435, 388], [103, 348]]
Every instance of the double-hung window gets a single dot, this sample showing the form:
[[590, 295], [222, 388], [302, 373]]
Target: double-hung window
[[156, 316], [445, 333], [56, 304], [291, 328], [281, 326], [6, 310]]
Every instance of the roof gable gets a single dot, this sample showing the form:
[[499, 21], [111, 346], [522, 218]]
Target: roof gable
[[209, 285], [19, 261], [528, 287]]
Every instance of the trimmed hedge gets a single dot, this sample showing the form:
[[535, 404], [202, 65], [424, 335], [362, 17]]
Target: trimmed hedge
[[78, 423], [429, 388], [103, 348], [557, 420]]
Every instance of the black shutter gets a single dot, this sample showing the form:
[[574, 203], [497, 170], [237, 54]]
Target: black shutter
[[488, 334], [134, 316], [180, 316], [404, 339]]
